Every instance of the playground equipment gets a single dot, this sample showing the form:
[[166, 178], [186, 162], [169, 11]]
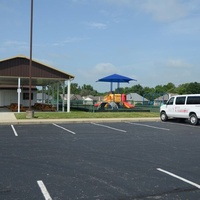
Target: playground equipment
[[114, 101]]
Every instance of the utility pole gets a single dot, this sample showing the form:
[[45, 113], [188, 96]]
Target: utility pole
[[30, 112]]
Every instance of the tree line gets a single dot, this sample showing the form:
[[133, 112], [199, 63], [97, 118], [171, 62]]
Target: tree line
[[159, 90]]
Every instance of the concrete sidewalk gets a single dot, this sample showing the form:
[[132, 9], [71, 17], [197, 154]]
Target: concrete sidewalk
[[9, 118]]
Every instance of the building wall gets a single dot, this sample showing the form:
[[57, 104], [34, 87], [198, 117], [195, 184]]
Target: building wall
[[7, 97], [11, 96]]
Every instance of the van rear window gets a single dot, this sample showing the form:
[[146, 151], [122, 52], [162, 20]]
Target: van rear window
[[193, 100], [180, 100]]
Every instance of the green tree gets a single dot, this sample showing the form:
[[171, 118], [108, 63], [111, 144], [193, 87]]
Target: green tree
[[87, 87], [74, 88], [168, 87], [182, 88], [149, 93], [159, 89], [88, 90], [148, 90], [137, 89], [193, 88]]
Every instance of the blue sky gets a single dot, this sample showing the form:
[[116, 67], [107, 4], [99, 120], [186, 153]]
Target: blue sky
[[152, 41]]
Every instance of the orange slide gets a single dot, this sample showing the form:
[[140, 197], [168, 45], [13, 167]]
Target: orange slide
[[128, 105]]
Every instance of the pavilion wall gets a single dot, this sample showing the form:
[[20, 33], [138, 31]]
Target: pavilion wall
[[8, 96]]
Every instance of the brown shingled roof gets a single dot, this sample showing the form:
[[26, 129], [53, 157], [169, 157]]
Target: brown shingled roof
[[18, 67]]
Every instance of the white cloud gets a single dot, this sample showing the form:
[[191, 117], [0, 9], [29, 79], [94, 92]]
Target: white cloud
[[69, 40], [185, 26], [90, 76], [101, 69], [97, 25], [14, 42], [105, 68], [116, 2], [121, 2], [17, 45], [178, 63], [161, 10], [174, 70], [165, 11], [74, 39], [6, 8]]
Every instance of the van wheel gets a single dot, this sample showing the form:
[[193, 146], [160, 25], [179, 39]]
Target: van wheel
[[163, 116], [193, 119]]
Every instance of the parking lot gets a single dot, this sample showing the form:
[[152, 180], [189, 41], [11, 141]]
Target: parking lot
[[100, 161]]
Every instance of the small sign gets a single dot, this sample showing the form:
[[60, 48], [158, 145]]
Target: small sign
[[19, 90]]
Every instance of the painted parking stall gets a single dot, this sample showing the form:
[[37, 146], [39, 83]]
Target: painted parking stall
[[14, 131], [179, 177], [44, 190], [104, 161], [109, 127], [69, 131], [148, 126]]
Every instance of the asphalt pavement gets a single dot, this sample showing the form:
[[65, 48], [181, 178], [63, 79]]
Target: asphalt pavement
[[100, 161]]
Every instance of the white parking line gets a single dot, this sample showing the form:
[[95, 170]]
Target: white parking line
[[44, 190], [137, 124], [116, 129], [64, 129], [181, 124], [14, 130], [180, 178]]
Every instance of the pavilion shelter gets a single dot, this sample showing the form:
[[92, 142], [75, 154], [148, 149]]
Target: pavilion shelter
[[15, 81]]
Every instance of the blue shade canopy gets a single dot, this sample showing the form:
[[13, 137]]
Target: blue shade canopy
[[116, 78]]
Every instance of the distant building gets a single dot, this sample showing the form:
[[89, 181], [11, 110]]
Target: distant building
[[96, 98], [135, 98], [163, 99], [73, 97], [87, 101], [43, 98]]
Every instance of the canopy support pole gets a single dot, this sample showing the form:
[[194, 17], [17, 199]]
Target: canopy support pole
[[111, 86], [63, 100], [48, 94], [53, 94], [118, 87], [68, 96], [18, 91], [57, 104], [43, 89]]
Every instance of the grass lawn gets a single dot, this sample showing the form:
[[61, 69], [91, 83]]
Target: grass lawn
[[81, 114]]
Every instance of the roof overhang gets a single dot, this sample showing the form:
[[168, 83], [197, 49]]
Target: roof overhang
[[26, 81], [18, 67]]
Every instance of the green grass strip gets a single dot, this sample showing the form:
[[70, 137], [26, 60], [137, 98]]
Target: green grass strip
[[80, 114]]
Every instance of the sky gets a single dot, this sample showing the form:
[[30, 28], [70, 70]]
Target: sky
[[152, 41]]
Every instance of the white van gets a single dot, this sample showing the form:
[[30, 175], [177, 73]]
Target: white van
[[182, 107]]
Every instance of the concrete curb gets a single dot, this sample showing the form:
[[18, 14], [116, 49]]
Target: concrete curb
[[85, 120]]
